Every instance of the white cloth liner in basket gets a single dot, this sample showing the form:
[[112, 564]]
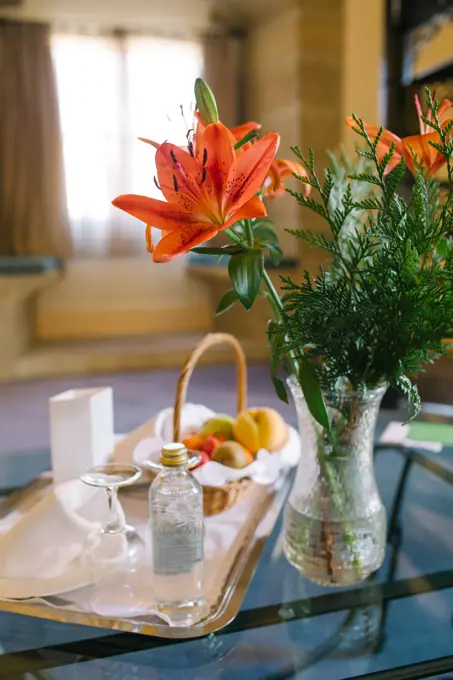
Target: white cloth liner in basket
[[264, 470]]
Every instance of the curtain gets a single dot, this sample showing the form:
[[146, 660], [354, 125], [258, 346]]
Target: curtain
[[33, 214], [113, 89]]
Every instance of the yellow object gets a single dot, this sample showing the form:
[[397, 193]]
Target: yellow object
[[232, 454], [174, 455], [260, 428], [245, 431], [220, 425]]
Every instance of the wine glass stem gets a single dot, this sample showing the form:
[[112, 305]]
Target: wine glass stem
[[114, 524]]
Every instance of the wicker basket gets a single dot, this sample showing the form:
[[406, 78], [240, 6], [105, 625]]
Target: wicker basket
[[216, 499]]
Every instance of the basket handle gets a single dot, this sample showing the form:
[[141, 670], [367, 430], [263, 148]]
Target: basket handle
[[209, 341]]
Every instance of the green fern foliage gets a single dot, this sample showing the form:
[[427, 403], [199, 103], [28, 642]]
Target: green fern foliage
[[383, 307]]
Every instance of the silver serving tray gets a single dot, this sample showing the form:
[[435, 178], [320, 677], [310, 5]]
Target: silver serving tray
[[260, 522]]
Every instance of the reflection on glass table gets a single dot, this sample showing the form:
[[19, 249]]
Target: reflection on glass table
[[395, 626]]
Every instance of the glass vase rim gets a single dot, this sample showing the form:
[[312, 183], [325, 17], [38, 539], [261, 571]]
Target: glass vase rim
[[371, 394]]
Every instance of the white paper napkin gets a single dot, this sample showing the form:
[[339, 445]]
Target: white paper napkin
[[39, 554]]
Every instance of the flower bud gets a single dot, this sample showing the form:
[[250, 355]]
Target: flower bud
[[206, 103]]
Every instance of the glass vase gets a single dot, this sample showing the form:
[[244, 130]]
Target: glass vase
[[335, 522]]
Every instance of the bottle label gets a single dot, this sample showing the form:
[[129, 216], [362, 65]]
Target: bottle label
[[176, 552]]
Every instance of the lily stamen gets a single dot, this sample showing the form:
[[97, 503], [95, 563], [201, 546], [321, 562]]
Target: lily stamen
[[156, 183], [173, 156], [175, 183], [205, 155], [203, 176]]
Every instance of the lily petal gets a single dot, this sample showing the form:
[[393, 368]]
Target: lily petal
[[438, 163], [253, 208], [179, 242], [419, 146], [217, 155], [154, 212], [420, 114], [248, 172], [241, 131], [287, 168], [445, 112], [273, 186], [179, 176], [382, 150], [387, 138]]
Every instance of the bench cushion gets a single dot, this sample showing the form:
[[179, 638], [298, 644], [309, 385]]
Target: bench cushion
[[25, 266]]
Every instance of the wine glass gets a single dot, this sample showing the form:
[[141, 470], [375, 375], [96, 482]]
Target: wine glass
[[112, 553]]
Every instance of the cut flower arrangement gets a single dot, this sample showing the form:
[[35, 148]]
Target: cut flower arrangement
[[380, 310]]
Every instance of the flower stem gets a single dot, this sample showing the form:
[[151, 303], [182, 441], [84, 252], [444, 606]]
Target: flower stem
[[249, 232], [274, 297], [234, 237]]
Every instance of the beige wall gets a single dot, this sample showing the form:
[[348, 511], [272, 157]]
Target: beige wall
[[363, 62], [273, 98], [124, 296], [309, 66]]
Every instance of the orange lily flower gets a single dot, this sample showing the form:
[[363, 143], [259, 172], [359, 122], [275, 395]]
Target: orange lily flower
[[205, 192], [274, 186], [415, 149], [238, 132]]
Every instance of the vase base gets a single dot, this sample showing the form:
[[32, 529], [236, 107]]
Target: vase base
[[329, 554]]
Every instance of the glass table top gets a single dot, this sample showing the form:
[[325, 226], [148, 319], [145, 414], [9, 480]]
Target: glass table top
[[397, 625]]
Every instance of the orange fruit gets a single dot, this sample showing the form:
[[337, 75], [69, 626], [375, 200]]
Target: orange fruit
[[194, 442]]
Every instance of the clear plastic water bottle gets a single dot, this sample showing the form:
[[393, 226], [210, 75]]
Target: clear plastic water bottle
[[177, 532]]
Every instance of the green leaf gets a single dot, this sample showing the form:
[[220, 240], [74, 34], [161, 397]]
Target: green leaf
[[443, 247], [248, 138], [309, 383], [280, 389], [275, 341], [275, 253], [265, 232], [246, 270], [227, 301]]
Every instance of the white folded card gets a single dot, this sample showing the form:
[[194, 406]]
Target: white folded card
[[81, 431]]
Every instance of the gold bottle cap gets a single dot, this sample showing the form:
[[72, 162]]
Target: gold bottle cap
[[174, 455]]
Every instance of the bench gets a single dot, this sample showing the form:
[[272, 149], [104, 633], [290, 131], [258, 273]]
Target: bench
[[21, 278]]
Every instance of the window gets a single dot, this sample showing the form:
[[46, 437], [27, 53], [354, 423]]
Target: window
[[112, 90]]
